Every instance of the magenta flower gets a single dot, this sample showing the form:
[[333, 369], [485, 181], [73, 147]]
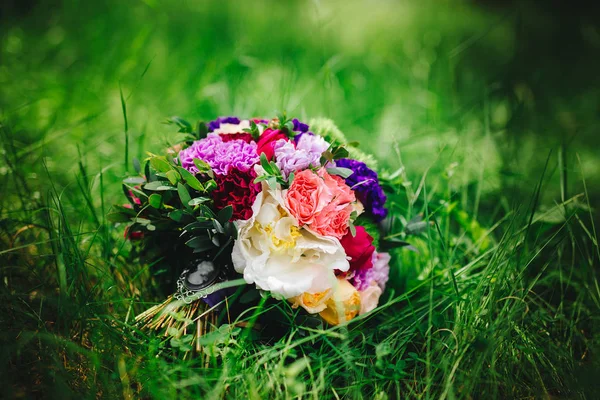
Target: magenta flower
[[220, 155]]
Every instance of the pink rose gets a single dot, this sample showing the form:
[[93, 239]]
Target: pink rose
[[307, 196], [267, 140]]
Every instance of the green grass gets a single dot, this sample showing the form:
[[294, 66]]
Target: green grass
[[485, 129]]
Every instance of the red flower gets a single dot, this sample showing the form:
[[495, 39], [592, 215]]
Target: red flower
[[228, 137], [267, 141], [135, 235], [359, 248], [238, 190]]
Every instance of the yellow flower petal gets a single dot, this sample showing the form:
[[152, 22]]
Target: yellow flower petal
[[343, 305]]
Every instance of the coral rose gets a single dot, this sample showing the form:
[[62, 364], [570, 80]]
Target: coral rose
[[307, 196], [321, 201], [332, 220]]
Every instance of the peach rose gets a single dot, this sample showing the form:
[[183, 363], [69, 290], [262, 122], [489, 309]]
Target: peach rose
[[369, 298], [307, 196], [312, 302], [343, 305]]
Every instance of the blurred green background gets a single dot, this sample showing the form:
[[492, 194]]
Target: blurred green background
[[495, 86]]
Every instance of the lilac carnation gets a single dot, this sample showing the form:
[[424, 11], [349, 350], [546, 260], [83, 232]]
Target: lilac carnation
[[379, 273], [219, 155], [365, 183], [212, 125], [307, 153]]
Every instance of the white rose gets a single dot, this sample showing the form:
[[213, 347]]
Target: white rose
[[233, 128], [278, 256]]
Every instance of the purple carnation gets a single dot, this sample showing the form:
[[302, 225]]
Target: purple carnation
[[378, 273], [365, 183], [302, 128], [299, 126], [220, 155], [212, 125]]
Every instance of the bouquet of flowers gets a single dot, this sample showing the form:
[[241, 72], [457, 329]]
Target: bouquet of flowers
[[267, 203]]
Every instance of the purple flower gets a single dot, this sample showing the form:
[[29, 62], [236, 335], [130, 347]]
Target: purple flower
[[218, 296], [365, 183], [299, 126], [212, 125], [302, 128], [220, 155], [307, 153], [379, 273]]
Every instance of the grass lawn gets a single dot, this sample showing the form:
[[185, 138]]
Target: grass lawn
[[483, 115]]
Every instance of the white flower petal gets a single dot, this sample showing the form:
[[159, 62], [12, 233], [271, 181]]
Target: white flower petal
[[233, 128], [273, 253]]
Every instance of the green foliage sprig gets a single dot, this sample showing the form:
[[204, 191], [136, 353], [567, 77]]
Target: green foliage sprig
[[169, 198]]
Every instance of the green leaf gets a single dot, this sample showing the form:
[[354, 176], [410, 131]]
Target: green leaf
[[352, 229], [173, 176], [201, 165], [340, 152], [266, 165], [171, 331], [218, 226], [340, 171], [155, 200], [184, 195], [176, 215], [198, 225], [209, 186], [225, 214], [197, 201], [289, 127], [254, 131], [137, 167], [183, 125], [160, 164], [291, 177], [200, 243], [261, 178], [118, 217], [250, 296], [202, 130], [158, 185], [134, 180], [190, 179], [208, 213]]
